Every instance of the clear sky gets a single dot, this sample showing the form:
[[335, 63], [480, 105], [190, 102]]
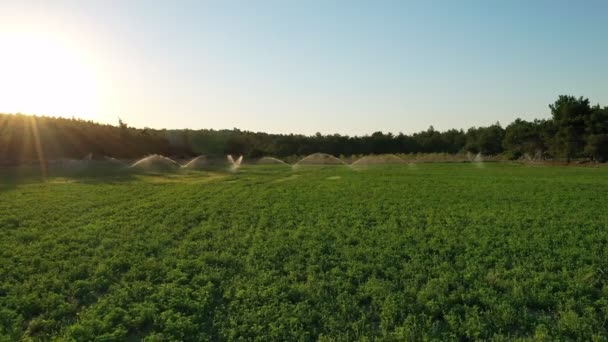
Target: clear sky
[[349, 67]]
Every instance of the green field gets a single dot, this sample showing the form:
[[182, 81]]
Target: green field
[[435, 251]]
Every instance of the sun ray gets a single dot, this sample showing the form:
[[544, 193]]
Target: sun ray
[[23, 141], [40, 153], [4, 119], [53, 145]]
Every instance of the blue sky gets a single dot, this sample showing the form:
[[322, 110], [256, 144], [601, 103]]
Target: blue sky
[[350, 67]]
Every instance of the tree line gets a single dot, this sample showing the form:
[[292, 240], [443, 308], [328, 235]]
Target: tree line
[[576, 129]]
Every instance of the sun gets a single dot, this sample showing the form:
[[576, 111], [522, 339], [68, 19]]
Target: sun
[[45, 74]]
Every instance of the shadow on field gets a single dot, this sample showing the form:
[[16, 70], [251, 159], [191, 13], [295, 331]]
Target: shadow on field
[[7, 186], [11, 178]]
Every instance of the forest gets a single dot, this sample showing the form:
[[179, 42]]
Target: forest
[[576, 129]]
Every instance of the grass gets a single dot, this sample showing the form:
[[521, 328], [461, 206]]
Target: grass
[[440, 251]]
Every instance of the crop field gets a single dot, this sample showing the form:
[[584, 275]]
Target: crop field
[[390, 252]]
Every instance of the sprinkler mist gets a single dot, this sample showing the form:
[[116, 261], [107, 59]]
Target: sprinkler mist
[[381, 159], [478, 161], [234, 164], [197, 163], [470, 157], [271, 161], [538, 156], [318, 159], [156, 163]]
